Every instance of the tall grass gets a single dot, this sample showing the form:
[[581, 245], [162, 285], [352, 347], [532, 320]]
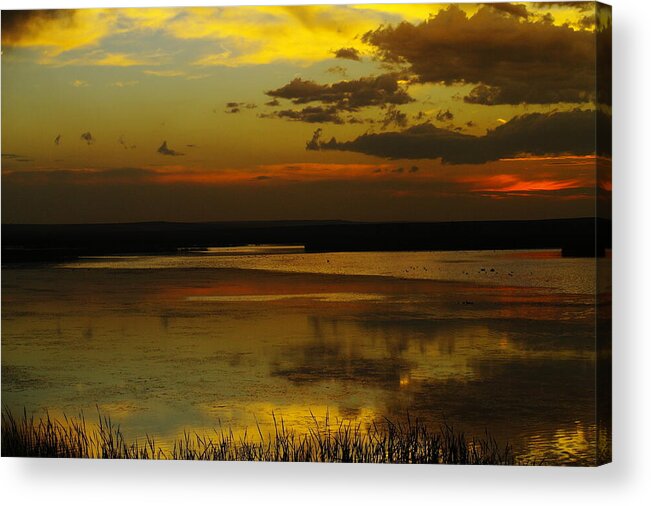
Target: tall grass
[[325, 441]]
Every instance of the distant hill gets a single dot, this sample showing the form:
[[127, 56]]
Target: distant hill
[[576, 237]]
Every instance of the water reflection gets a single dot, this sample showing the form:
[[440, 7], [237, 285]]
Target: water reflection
[[188, 349]]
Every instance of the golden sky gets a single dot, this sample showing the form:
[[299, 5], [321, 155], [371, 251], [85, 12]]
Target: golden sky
[[360, 112]]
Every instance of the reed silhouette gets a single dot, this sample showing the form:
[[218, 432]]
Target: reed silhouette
[[410, 442]]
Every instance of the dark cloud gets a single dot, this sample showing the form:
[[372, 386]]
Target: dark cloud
[[315, 142], [262, 178], [394, 116], [19, 24], [354, 120], [310, 114], [444, 115], [57, 139], [87, 137], [547, 18], [235, 107], [164, 150], [539, 134], [96, 196], [581, 6], [74, 177], [347, 53], [587, 22], [122, 142], [510, 60], [16, 158], [470, 124], [273, 103], [515, 10], [346, 95], [338, 69], [413, 169]]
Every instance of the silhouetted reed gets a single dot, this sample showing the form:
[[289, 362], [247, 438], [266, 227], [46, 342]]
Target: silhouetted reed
[[324, 441]]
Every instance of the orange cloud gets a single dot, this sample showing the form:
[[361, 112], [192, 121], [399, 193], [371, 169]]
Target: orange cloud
[[178, 174], [511, 183]]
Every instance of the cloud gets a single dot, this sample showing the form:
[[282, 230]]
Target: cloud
[[512, 9], [59, 34], [314, 144], [310, 114], [237, 36], [273, 103], [444, 115], [587, 22], [347, 53], [434, 191], [346, 95], [87, 137], [12, 157], [78, 83], [243, 35], [420, 116], [57, 140], [554, 133], [338, 69], [124, 143], [123, 84], [266, 34], [581, 6], [164, 150], [510, 183], [394, 116], [287, 173], [99, 58], [58, 29], [235, 107], [164, 73], [510, 60]]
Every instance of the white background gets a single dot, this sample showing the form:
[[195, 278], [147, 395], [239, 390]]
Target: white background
[[626, 481]]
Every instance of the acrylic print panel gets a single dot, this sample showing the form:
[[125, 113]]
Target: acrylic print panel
[[362, 233]]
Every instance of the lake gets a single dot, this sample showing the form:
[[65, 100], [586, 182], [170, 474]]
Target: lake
[[501, 341]]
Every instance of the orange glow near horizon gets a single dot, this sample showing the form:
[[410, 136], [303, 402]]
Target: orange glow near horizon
[[511, 183]]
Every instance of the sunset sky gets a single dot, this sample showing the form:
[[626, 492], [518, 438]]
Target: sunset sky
[[360, 112]]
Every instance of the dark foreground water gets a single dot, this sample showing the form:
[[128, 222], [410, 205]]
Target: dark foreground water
[[498, 341]]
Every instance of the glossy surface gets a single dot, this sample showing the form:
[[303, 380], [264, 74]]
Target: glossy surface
[[192, 341]]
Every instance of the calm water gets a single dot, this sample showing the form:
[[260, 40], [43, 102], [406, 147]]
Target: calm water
[[497, 341]]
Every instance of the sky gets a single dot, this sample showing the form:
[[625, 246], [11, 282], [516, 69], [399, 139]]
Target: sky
[[423, 112]]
